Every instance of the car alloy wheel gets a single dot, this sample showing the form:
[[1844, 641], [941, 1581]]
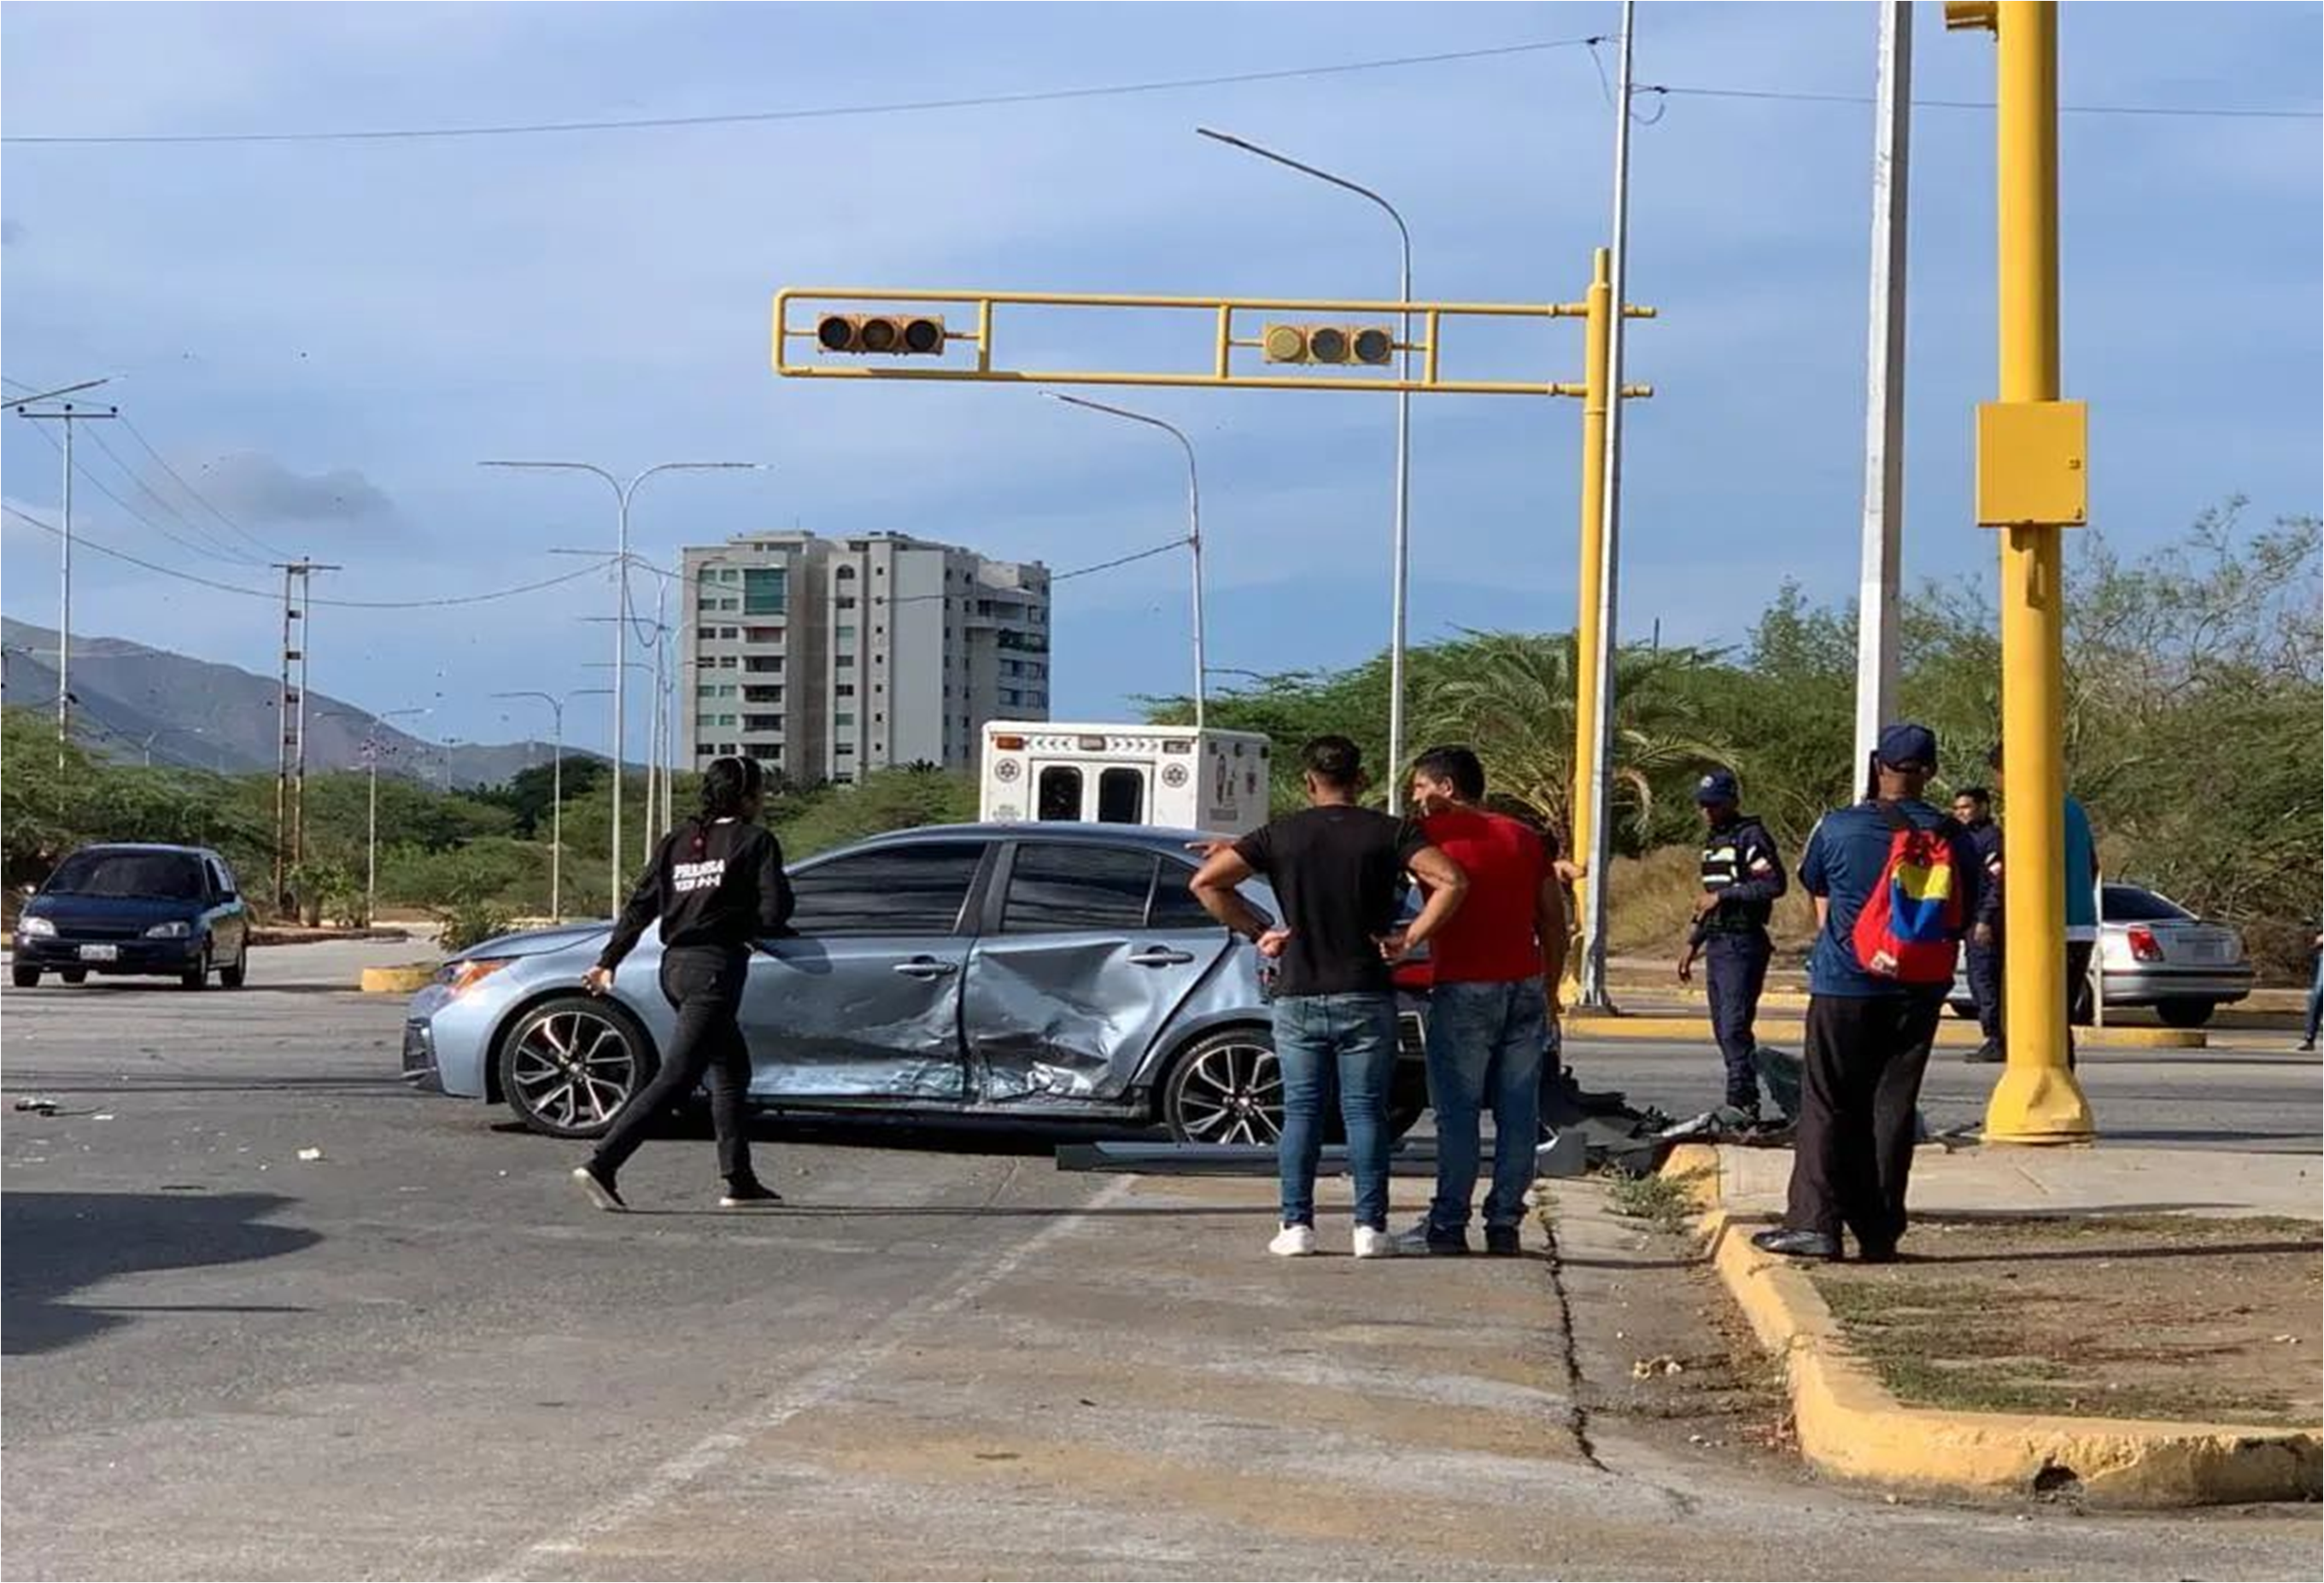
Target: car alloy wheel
[[1227, 1090], [570, 1067]]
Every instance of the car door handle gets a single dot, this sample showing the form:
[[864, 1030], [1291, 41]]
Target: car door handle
[[924, 967], [1160, 956]]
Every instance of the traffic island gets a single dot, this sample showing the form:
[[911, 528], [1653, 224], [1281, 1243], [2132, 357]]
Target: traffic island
[[406, 980], [2132, 1361]]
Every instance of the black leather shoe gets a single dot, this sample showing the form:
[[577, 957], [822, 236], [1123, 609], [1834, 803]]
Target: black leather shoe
[[1876, 1256], [1986, 1054], [1793, 1244], [746, 1193], [1503, 1241]]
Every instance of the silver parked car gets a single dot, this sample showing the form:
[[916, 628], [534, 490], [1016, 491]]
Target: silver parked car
[[2153, 951], [1054, 972]]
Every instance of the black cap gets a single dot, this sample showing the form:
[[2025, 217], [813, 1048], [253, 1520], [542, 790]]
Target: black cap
[[1717, 787], [1905, 746]]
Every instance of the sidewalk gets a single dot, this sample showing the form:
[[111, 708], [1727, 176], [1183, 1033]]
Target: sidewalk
[[2079, 1181], [1850, 1422]]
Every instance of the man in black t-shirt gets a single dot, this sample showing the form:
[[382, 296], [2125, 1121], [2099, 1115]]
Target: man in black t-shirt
[[1338, 872]]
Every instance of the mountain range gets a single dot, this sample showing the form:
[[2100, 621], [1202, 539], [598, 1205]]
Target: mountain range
[[149, 705]]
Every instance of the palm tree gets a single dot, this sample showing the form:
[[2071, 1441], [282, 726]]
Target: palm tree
[[1510, 695]]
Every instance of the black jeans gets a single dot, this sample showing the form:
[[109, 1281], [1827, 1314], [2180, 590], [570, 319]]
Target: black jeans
[[704, 983], [1984, 985], [1737, 973], [1853, 1152]]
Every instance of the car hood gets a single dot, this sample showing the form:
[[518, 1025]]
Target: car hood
[[538, 942], [66, 909]]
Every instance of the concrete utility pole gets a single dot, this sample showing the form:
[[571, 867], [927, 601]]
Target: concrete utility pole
[[1884, 391], [67, 414], [291, 751]]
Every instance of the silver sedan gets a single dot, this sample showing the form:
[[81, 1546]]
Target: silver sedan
[[1059, 971], [2153, 951]]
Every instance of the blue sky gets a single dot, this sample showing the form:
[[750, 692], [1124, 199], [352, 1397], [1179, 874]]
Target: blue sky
[[327, 337]]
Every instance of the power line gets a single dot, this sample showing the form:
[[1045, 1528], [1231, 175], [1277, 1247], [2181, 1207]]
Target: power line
[[198, 498], [821, 112], [273, 595], [207, 535], [2225, 111], [94, 482]]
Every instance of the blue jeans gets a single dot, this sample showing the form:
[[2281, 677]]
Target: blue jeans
[[1485, 1044], [1324, 1042]]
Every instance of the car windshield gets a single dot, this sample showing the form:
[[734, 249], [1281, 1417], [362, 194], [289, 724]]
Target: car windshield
[[2130, 904], [148, 876]]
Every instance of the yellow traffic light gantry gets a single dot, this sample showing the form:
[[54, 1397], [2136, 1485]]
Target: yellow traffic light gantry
[[1295, 333]]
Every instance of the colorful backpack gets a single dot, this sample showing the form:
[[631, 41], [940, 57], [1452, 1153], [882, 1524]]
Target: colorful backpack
[[1911, 928]]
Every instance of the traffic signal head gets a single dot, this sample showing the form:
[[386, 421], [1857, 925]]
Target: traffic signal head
[[1334, 343], [897, 335]]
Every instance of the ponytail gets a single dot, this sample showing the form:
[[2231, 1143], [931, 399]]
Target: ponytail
[[727, 787]]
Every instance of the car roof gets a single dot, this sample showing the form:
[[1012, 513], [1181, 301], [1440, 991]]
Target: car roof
[[143, 846], [1160, 836]]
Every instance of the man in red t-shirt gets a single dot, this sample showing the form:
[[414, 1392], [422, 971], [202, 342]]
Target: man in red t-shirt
[[1495, 967]]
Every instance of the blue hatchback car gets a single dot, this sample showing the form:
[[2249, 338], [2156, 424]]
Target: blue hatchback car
[[173, 911]]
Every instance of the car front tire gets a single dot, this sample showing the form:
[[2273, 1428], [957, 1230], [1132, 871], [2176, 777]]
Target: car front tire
[[236, 975], [573, 1063], [73, 975], [23, 978], [197, 977]]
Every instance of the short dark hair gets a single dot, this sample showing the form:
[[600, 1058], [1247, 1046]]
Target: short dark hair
[[1975, 794], [1460, 767], [1334, 760]]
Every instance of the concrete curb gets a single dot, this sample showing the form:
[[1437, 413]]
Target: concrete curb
[[1849, 1425], [397, 980], [1952, 1036]]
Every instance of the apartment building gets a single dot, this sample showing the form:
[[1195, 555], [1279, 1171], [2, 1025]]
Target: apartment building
[[826, 658]]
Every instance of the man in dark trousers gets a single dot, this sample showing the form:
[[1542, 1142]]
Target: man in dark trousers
[[1742, 876], [1973, 811], [1873, 1005]]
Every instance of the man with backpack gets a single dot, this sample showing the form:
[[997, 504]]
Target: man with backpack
[[1895, 885]]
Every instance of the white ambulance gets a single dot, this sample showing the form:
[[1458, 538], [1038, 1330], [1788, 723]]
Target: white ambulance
[[1168, 775]]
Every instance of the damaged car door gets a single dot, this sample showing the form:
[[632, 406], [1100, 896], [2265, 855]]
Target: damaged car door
[[865, 1002], [1091, 950]]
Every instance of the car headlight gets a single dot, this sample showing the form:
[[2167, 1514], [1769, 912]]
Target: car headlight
[[175, 929], [36, 928], [460, 977]]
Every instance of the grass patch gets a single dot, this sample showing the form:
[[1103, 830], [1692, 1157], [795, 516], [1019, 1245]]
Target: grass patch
[[1667, 1201]]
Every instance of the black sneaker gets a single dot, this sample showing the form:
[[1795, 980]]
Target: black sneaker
[[1988, 1053], [600, 1188], [1425, 1238], [1503, 1241], [1793, 1244], [747, 1193]]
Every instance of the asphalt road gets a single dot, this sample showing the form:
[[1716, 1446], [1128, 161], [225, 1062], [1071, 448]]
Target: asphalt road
[[419, 1355]]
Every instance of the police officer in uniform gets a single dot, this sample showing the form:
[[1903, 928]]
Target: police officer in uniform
[[1742, 876]]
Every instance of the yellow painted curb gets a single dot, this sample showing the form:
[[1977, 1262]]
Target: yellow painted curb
[[1848, 1424], [397, 980], [1953, 1035]]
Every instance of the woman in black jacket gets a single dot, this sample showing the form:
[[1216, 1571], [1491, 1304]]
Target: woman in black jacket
[[716, 885]]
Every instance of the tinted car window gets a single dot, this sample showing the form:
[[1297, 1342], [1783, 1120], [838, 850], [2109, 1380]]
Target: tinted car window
[[2128, 904], [1055, 888], [161, 876], [1174, 906], [915, 889]]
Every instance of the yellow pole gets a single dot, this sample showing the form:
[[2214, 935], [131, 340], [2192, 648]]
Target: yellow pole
[[1597, 328], [2037, 1099]]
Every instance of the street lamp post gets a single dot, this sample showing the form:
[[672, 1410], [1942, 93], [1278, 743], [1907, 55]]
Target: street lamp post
[[623, 494], [370, 747], [555, 799], [1400, 576], [1193, 523]]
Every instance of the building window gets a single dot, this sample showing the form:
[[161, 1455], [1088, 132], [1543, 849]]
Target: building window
[[762, 723], [765, 591], [730, 574], [762, 634], [844, 690], [762, 694], [706, 690], [844, 602], [845, 573], [843, 719], [842, 633]]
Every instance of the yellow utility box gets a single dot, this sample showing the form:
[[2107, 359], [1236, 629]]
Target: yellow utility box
[[2033, 463]]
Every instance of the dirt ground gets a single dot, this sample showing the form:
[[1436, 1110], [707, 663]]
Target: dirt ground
[[2153, 1316]]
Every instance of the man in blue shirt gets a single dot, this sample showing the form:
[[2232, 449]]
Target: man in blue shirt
[[1868, 1034]]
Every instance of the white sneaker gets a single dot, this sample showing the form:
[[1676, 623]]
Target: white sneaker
[[1375, 1244], [1293, 1242]]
